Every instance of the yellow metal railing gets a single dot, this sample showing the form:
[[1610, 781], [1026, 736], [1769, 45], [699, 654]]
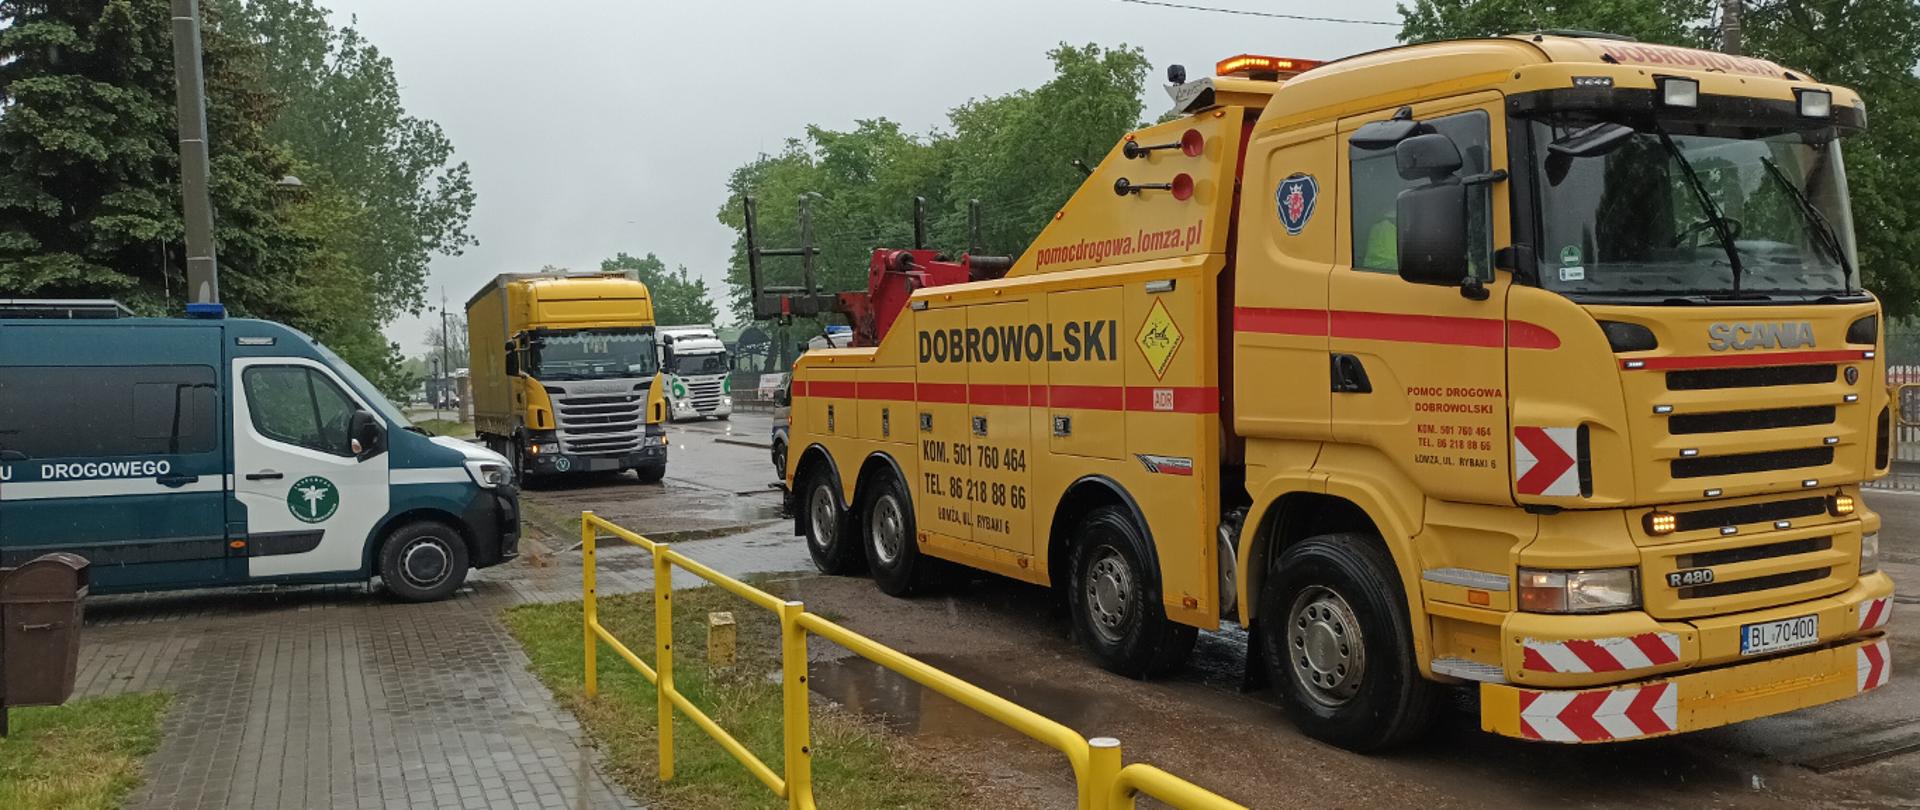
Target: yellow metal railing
[[1102, 781]]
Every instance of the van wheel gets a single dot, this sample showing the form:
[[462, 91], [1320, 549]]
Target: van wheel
[[1337, 644], [892, 547], [780, 459], [1115, 599], [650, 473], [423, 562], [825, 522]]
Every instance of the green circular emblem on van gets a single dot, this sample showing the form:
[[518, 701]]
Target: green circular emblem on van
[[313, 499]]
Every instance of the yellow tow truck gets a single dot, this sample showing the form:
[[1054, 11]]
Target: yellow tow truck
[[1537, 364]]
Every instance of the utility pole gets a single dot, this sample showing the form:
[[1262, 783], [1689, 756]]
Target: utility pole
[[446, 365], [190, 92], [1730, 26]]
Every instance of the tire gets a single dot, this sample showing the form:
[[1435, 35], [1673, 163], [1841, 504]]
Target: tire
[[650, 473], [1115, 599], [889, 538], [725, 417], [829, 542], [780, 459], [423, 562], [1366, 696]]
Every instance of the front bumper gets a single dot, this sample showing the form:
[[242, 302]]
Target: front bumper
[[493, 516], [557, 463], [1688, 702]]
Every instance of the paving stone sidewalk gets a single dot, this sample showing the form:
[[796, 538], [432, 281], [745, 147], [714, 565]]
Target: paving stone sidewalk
[[338, 697]]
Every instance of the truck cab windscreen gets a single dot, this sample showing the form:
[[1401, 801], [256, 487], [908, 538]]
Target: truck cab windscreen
[[593, 354], [1677, 209], [690, 365]]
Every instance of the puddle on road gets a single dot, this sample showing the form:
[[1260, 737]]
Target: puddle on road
[[908, 708]]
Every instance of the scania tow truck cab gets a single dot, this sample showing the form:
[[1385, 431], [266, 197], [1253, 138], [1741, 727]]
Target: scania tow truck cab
[[200, 452], [698, 370], [1539, 364], [565, 374]]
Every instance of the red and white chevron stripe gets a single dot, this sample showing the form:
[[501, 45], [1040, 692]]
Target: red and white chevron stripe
[[1872, 666], [1874, 613], [1599, 715], [1615, 654]]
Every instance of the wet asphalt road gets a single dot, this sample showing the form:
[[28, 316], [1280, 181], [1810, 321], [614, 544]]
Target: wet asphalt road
[[1012, 639]]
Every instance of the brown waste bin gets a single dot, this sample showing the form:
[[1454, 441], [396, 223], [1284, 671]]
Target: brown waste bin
[[40, 608]]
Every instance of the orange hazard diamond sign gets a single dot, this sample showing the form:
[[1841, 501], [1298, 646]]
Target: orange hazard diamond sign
[[1159, 338]]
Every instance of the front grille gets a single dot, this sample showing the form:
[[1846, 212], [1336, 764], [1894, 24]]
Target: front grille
[[1765, 551], [1749, 513], [1704, 466], [1730, 421], [599, 424], [1760, 377], [1765, 583], [704, 394]]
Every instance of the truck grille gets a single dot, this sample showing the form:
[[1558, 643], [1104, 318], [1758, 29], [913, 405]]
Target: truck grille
[[1758, 377], [1702, 466], [1730, 421], [1750, 572], [1765, 512], [704, 394], [594, 420]]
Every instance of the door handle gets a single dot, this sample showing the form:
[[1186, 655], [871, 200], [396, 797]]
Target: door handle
[[264, 475], [1349, 375], [176, 480]]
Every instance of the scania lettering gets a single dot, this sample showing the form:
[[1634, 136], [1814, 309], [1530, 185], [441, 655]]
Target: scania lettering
[[1538, 365], [192, 453], [565, 372], [699, 370]]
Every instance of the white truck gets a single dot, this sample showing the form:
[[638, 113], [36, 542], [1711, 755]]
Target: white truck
[[697, 366]]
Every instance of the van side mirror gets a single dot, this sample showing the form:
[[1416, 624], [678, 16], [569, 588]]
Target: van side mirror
[[368, 437]]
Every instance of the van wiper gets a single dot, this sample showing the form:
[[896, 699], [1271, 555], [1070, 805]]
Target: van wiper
[[1818, 221], [1714, 217]]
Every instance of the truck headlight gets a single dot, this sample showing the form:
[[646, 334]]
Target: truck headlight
[[1600, 590], [1869, 553], [488, 474], [654, 440]]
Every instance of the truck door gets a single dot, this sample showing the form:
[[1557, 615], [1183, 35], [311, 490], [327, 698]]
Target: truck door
[[1419, 371], [311, 505], [999, 381], [111, 448]]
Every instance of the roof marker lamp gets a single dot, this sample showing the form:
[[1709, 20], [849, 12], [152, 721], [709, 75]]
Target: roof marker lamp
[[1815, 103], [1601, 590], [1678, 92]]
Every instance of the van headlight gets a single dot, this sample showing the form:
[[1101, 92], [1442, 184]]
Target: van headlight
[[1600, 590], [1869, 553], [488, 474]]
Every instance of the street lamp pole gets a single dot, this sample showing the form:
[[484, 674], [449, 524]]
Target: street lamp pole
[[190, 91], [446, 365]]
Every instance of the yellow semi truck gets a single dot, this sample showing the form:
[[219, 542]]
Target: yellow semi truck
[[1538, 364], [566, 374]]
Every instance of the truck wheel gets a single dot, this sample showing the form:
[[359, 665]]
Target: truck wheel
[[423, 562], [780, 459], [651, 473], [892, 547], [1115, 599], [832, 550], [1336, 642]]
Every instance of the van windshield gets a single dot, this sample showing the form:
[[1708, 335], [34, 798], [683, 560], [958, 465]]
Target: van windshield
[[593, 354], [365, 388]]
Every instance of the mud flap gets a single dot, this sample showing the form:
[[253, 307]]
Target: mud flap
[[1255, 678]]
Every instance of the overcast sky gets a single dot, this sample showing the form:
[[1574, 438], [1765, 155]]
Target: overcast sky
[[597, 126]]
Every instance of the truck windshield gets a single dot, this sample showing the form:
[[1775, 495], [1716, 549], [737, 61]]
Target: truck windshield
[[687, 365], [592, 354], [1680, 209]]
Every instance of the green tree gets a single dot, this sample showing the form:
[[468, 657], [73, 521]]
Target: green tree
[[1872, 46], [678, 297], [1013, 153]]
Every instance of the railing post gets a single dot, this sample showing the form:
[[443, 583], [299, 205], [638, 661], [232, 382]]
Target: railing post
[[589, 599], [663, 654], [1103, 767], [797, 726]]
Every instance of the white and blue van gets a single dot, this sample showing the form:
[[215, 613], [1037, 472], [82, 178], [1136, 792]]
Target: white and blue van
[[200, 452]]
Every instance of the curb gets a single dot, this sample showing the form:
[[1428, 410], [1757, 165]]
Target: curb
[[767, 445]]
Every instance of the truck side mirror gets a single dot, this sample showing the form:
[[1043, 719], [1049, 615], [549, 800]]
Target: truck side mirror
[[513, 359], [368, 436], [1431, 219]]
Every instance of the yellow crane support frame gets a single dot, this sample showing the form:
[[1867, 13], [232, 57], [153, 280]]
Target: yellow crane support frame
[[1102, 780]]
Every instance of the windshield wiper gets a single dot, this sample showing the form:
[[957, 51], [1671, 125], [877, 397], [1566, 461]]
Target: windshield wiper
[[1712, 211], [1821, 227]]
